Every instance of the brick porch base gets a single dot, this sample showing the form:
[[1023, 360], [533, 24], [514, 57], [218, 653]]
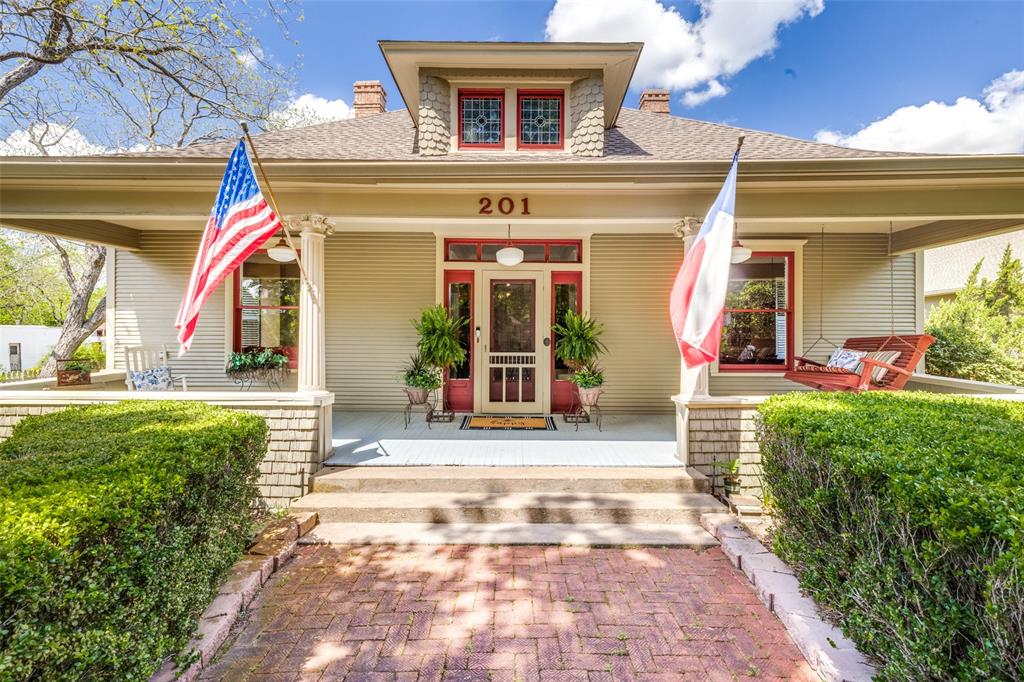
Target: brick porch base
[[508, 613]]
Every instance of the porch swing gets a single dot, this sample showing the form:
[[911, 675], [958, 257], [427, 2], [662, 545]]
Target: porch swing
[[888, 361]]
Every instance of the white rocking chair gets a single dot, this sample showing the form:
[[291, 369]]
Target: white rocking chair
[[141, 359]]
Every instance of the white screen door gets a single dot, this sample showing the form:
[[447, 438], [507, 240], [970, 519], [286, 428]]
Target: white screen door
[[515, 357]]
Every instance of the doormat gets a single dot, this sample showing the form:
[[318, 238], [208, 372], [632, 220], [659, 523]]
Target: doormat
[[482, 423]]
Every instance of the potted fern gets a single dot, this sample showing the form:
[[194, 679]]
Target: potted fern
[[420, 379], [438, 344], [578, 345]]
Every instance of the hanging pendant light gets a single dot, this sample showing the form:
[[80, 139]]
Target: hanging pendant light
[[281, 252], [510, 255], [739, 252]]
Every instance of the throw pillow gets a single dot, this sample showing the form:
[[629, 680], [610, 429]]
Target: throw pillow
[[156, 379], [844, 358], [886, 356]]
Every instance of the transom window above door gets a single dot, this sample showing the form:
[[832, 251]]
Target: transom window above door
[[481, 119], [540, 119], [534, 251]]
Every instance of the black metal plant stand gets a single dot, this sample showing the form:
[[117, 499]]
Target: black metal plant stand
[[437, 416], [578, 414]]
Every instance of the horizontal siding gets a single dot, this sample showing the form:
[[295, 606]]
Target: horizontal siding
[[630, 280], [375, 284], [856, 291], [148, 286]]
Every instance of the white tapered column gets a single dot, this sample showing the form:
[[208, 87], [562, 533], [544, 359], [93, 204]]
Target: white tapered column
[[312, 335], [693, 383]]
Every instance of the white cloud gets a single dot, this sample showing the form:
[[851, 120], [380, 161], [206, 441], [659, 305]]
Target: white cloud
[[992, 125], [694, 98], [307, 110], [678, 54], [54, 138]]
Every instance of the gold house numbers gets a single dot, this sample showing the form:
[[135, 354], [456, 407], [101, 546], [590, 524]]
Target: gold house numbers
[[505, 205]]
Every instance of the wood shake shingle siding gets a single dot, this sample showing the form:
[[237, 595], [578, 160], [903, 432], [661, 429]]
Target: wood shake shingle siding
[[630, 279], [148, 287], [375, 284]]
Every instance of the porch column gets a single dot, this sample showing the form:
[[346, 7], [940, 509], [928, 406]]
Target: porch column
[[312, 340], [693, 383]]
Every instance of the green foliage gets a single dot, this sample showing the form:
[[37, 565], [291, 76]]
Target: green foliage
[[117, 524], [256, 359], [578, 339], [76, 365], [439, 337], [903, 514], [92, 353], [35, 291], [418, 374], [980, 333], [589, 376]]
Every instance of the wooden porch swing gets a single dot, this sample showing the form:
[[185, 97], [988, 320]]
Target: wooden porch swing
[[872, 374]]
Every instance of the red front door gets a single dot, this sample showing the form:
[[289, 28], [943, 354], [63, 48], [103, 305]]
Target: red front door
[[566, 294], [458, 299]]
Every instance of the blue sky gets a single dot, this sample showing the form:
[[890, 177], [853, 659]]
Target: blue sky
[[836, 68]]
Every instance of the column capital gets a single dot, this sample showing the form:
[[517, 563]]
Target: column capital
[[688, 227], [311, 223]]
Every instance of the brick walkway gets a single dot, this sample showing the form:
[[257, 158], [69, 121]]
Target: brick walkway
[[508, 613]]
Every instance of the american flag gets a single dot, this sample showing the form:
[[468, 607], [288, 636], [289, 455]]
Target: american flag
[[240, 223]]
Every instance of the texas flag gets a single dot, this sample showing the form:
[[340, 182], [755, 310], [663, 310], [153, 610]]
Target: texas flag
[[698, 294]]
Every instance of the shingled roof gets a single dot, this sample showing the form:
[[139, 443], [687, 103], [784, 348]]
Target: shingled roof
[[637, 136]]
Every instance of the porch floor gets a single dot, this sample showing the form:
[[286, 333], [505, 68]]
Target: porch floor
[[379, 439]]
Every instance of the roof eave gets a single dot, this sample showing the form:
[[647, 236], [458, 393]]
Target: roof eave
[[1002, 167]]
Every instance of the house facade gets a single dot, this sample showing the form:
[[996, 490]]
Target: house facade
[[528, 144]]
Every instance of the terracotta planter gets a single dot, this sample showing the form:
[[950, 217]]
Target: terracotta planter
[[589, 396], [417, 396]]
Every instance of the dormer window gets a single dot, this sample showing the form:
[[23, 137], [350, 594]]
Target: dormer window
[[481, 119], [541, 117]]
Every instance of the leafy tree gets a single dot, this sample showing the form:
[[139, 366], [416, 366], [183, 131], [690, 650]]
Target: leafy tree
[[142, 75], [979, 334]]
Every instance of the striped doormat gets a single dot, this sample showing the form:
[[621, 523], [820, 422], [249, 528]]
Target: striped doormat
[[475, 422]]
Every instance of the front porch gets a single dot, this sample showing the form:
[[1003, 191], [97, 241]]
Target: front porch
[[381, 439]]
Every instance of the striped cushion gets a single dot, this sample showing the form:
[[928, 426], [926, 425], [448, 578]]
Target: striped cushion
[[886, 356]]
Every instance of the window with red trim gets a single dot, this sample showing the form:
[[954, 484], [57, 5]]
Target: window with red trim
[[540, 119], [481, 119], [267, 306], [757, 324]]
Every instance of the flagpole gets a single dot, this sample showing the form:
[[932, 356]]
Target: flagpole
[[273, 204]]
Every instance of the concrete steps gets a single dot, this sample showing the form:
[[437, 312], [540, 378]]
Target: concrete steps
[[438, 507], [510, 505], [581, 534], [471, 479]]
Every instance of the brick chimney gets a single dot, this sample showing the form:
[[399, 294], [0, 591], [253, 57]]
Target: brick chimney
[[654, 101], [369, 98]]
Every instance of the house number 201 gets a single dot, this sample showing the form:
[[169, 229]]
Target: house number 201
[[505, 206]]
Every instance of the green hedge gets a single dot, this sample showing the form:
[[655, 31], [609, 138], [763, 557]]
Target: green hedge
[[117, 523], [904, 515]]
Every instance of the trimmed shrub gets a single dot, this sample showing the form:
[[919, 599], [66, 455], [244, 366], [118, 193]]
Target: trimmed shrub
[[903, 514], [117, 524]]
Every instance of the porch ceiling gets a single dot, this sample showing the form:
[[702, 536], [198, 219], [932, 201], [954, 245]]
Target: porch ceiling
[[91, 231], [945, 232]]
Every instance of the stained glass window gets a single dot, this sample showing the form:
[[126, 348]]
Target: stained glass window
[[481, 118], [540, 120]]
